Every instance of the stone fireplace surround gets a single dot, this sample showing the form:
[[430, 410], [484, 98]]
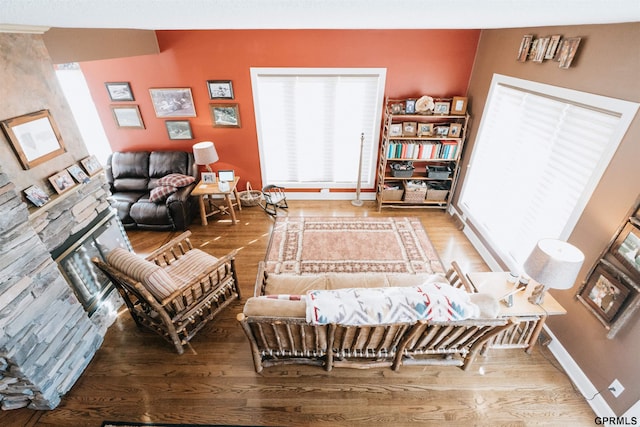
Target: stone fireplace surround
[[48, 338]]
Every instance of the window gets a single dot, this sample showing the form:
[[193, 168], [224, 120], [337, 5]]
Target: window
[[310, 123], [540, 152]]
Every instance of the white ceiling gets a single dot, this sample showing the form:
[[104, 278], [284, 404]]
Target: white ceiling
[[307, 14]]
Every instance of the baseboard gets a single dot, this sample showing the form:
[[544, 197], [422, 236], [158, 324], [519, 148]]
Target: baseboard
[[577, 376], [328, 195]]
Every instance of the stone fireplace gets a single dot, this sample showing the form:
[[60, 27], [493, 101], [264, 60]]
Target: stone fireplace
[[49, 337]]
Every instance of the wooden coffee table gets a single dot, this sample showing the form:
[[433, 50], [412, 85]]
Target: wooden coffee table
[[208, 194]]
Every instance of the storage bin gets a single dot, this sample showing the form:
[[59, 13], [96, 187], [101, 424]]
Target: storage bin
[[438, 172], [437, 191], [414, 193], [393, 191]]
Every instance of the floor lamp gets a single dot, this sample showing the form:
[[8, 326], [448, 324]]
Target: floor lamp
[[357, 201]]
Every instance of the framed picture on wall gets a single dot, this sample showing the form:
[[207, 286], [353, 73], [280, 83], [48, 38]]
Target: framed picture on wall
[[172, 102], [568, 50], [525, 45], [127, 116], [552, 48], [220, 89], [626, 247], [119, 91], [34, 137], [607, 292], [179, 129], [225, 115]]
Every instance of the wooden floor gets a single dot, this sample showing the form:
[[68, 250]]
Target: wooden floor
[[136, 376]]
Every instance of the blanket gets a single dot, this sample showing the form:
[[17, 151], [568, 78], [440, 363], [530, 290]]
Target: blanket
[[375, 306]]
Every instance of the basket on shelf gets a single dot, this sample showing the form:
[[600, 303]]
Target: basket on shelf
[[402, 170], [414, 192], [249, 197]]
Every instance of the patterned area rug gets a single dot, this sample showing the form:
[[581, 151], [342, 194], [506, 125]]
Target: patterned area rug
[[312, 245]]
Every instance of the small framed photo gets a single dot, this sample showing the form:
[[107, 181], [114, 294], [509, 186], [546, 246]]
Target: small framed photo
[[442, 131], [395, 129], [441, 107], [119, 91], [225, 115], [36, 195], [172, 102], [208, 177], [525, 45], [568, 50], [409, 129], [62, 181], [179, 129], [397, 108], [78, 174], [127, 116], [91, 165], [226, 175], [425, 129], [606, 291], [410, 106], [459, 105], [552, 47], [455, 130], [626, 248], [220, 89]]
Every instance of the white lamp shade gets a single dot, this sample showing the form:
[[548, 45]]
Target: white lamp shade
[[205, 153], [554, 264]]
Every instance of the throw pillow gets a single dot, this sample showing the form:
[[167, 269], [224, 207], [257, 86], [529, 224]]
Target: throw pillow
[[160, 194], [176, 180]]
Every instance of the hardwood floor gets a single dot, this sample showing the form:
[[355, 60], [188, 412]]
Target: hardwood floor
[[136, 376]]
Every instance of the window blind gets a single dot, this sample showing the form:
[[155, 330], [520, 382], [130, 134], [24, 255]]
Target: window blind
[[310, 123], [537, 158]]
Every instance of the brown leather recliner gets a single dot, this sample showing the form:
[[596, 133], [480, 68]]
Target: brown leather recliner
[[132, 176]]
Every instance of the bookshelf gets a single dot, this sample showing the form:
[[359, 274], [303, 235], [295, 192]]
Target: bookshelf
[[431, 144]]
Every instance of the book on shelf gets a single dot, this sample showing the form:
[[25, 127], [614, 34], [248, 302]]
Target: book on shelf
[[447, 150]]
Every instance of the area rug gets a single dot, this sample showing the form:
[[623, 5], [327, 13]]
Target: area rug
[[312, 245]]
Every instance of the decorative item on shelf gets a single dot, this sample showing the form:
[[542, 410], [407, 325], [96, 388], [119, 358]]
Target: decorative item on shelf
[[397, 108], [459, 105], [208, 177], [425, 105], [402, 169], [441, 107], [409, 128], [78, 174], [91, 165], [442, 131], [395, 129], [410, 107], [455, 130], [62, 181], [553, 264], [425, 129], [204, 153], [36, 195]]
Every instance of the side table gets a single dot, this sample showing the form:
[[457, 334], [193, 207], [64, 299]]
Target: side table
[[531, 316], [207, 193]]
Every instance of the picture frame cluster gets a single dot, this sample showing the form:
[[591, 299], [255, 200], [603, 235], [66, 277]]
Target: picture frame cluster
[[176, 105], [548, 48]]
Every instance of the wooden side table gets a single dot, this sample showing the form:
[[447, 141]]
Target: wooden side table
[[531, 316], [207, 193]]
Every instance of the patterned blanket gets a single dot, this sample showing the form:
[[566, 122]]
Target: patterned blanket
[[373, 306]]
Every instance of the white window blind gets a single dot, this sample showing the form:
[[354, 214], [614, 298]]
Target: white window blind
[[310, 122], [539, 154]]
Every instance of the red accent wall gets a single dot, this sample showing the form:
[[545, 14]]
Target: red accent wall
[[418, 62]]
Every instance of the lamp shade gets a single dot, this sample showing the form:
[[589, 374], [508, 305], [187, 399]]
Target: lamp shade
[[205, 153], [554, 264]]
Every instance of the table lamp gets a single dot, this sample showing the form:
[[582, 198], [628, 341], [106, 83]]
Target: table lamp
[[205, 154], [554, 264]]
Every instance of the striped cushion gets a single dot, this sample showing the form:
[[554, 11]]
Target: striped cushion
[[188, 267], [152, 276]]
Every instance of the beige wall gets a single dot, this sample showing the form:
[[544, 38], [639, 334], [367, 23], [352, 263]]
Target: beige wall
[[29, 84], [608, 64]]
